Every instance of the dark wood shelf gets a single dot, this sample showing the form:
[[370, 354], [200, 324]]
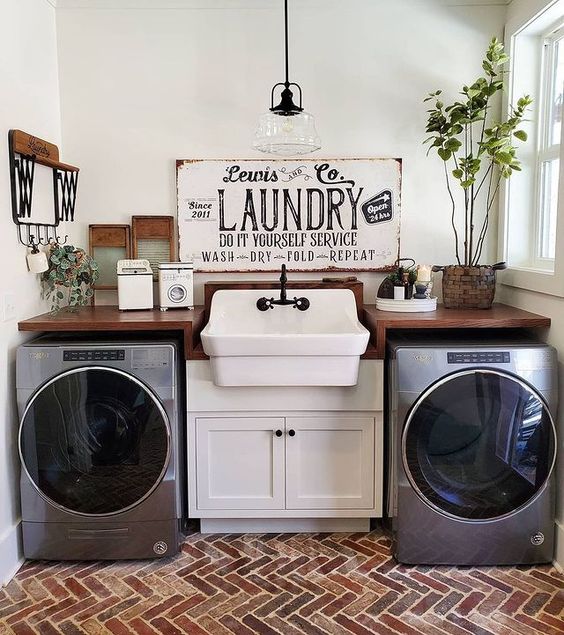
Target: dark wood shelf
[[498, 317], [110, 318]]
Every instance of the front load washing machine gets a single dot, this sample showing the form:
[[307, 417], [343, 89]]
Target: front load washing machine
[[101, 449], [472, 448]]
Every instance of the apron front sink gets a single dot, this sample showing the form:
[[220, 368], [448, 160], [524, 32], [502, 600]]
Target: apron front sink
[[284, 346]]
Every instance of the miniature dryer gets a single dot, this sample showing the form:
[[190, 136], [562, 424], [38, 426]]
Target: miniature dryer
[[135, 284]]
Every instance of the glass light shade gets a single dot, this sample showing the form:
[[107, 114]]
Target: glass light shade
[[286, 134]]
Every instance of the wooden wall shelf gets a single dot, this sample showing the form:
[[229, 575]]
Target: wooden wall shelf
[[45, 153], [25, 151]]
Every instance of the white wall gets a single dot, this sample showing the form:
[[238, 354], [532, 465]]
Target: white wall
[[157, 80], [519, 12], [30, 102], [141, 87]]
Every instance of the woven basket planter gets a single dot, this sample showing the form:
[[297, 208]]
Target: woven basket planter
[[468, 287]]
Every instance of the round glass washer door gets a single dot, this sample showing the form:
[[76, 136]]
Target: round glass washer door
[[177, 293], [478, 445], [94, 441]]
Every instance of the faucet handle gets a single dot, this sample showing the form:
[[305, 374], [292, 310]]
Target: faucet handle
[[263, 304], [302, 304]]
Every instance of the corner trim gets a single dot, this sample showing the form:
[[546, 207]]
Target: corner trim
[[558, 546], [11, 553]]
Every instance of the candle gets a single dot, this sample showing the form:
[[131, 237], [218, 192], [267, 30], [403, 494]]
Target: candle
[[424, 273]]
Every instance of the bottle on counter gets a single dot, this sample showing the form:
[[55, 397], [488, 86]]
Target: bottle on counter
[[407, 288]]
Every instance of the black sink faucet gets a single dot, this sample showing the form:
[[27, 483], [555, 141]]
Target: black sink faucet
[[302, 304]]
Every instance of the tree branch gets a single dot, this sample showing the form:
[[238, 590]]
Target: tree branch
[[452, 218]]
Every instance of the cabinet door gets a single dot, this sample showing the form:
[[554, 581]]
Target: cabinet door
[[240, 463], [330, 463]]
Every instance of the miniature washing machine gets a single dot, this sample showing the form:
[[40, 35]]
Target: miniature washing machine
[[176, 285], [135, 284]]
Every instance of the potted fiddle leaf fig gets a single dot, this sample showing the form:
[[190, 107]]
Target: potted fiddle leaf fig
[[477, 154], [70, 277]]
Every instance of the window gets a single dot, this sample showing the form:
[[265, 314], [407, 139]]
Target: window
[[531, 236], [550, 130]]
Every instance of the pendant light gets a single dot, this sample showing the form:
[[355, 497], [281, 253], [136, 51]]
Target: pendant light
[[286, 129]]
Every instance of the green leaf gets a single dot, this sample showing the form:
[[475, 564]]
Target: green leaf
[[444, 154], [458, 174], [453, 144], [521, 135], [504, 157]]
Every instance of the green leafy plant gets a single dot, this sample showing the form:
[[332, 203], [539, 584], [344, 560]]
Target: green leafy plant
[[70, 276], [397, 276], [477, 154]]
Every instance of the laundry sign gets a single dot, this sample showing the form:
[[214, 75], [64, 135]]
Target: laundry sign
[[311, 214]]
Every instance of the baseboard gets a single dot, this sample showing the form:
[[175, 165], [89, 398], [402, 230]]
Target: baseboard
[[11, 553], [559, 545], [282, 525]]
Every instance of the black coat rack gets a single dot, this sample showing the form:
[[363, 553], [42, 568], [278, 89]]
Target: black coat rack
[[25, 152]]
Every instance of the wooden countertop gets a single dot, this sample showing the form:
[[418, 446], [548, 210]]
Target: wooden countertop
[[499, 316], [109, 318]]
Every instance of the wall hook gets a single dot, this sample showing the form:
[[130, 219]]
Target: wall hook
[[25, 153]]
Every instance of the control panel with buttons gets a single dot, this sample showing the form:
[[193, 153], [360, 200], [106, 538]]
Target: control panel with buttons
[[104, 355], [481, 357]]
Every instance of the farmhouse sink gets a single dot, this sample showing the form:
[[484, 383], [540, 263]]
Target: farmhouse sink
[[283, 346]]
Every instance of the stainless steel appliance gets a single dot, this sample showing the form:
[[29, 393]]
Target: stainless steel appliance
[[101, 447], [472, 448]]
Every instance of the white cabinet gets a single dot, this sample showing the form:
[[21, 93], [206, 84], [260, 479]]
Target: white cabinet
[[240, 463], [329, 462], [325, 476]]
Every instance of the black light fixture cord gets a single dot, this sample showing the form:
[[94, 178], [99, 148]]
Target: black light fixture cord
[[286, 39]]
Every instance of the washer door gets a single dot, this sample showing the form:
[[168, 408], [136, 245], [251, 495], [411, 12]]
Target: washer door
[[479, 445], [94, 441], [177, 293]]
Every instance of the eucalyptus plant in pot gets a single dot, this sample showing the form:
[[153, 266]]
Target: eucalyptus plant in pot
[[477, 154], [70, 277]]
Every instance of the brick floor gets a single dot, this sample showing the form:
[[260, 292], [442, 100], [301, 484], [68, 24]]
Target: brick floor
[[284, 584]]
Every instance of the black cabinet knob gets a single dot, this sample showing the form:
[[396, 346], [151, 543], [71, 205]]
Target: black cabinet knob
[[278, 433], [292, 433]]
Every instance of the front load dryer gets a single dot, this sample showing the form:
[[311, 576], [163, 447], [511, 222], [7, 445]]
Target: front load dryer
[[100, 447], [472, 448]]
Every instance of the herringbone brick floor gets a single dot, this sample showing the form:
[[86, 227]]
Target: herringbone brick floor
[[288, 584]]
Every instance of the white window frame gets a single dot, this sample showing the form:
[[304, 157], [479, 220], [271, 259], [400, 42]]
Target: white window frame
[[547, 151], [519, 229]]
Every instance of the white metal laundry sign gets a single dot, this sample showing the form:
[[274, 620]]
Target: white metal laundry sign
[[312, 214]]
